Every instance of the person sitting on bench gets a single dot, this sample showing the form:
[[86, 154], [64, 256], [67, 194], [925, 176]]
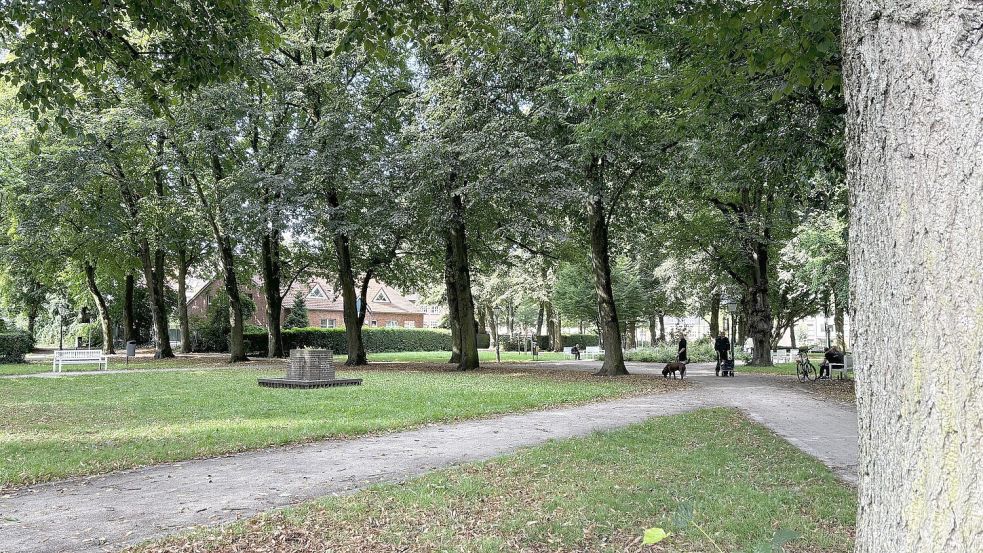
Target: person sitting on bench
[[832, 356]]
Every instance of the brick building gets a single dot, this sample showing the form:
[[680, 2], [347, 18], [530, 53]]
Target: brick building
[[387, 307]]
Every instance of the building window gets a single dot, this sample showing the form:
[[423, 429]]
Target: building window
[[410, 324], [324, 323], [381, 297], [316, 292], [332, 323], [392, 324], [375, 323]]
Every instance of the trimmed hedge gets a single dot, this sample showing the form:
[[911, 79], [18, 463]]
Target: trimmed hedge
[[377, 340], [14, 346], [512, 344]]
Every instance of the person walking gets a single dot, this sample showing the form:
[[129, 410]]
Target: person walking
[[681, 354], [722, 346]]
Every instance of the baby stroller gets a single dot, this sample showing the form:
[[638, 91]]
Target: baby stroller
[[727, 367]]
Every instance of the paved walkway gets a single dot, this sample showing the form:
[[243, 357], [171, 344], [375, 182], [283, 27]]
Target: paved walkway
[[110, 511]]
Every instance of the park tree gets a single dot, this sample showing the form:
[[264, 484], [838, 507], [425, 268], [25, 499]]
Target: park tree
[[297, 317], [913, 85]]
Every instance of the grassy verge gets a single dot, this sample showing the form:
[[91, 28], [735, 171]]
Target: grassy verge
[[741, 483], [52, 428], [218, 360]]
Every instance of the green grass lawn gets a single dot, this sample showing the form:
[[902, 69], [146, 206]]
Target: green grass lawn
[[52, 428], [217, 361], [739, 481], [787, 369]]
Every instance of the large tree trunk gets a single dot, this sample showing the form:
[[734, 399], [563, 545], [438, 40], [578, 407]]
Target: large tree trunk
[[158, 309], [715, 314], [271, 292], [105, 321], [614, 361], [129, 323], [458, 257], [539, 320], [482, 315], [182, 299], [759, 316], [915, 166], [453, 313], [791, 336]]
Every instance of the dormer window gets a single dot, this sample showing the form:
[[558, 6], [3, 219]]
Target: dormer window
[[381, 297], [317, 293]]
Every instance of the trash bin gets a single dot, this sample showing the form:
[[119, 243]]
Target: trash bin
[[131, 348]]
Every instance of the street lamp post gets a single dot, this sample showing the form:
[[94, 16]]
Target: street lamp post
[[62, 311]]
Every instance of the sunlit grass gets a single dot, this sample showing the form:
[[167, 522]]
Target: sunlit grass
[[741, 482], [52, 428]]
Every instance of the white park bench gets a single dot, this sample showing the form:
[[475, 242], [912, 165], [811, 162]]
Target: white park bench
[[568, 352], [79, 357], [843, 368], [592, 352]]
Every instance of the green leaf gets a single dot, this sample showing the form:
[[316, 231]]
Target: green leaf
[[653, 536]]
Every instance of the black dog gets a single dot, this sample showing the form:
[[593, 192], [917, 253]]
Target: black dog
[[673, 368]]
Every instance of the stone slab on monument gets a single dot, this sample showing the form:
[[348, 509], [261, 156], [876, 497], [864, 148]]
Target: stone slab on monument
[[310, 368]]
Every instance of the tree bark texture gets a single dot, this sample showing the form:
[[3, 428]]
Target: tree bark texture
[[346, 276], [715, 314], [914, 89], [460, 268], [614, 361], [453, 313], [129, 322], [158, 310], [272, 282], [182, 299], [237, 345], [106, 323]]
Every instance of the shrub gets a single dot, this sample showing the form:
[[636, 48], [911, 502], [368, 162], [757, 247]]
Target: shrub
[[377, 340], [14, 346], [211, 332]]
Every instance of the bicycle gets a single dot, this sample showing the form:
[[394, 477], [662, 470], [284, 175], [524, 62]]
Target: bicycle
[[804, 368]]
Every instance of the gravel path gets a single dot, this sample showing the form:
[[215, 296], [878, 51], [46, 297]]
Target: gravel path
[[104, 513]]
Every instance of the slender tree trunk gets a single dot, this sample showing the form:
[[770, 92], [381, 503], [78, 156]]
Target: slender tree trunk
[[630, 340], [539, 321], [791, 335], [838, 322], [614, 361], [129, 324], [558, 329], [105, 321], [462, 280], [182, 299], [237, 344], [652, 331], [492, 326], [453, 313], [158, 309], [915, 167], [32, 320], [759, 317], [272, 283], [715, 314], [482, 315], [662, 327]]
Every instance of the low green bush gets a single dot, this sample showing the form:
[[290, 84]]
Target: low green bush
[[14, 346], [377, 340], [700, 351]]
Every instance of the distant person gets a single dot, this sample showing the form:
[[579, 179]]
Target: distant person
[[575, 351], [721, 345], [681, 354], [832, 355], [749, 346]]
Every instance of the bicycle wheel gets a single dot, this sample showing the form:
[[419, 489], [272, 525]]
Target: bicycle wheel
[[801, 371], [810, 371]]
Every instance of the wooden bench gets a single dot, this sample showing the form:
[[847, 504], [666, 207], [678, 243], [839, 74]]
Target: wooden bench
[[843, 368], [592, 352], [78, 357]]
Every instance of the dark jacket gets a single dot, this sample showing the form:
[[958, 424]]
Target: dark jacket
[[681, 353], [834, 356], [722, 343]]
